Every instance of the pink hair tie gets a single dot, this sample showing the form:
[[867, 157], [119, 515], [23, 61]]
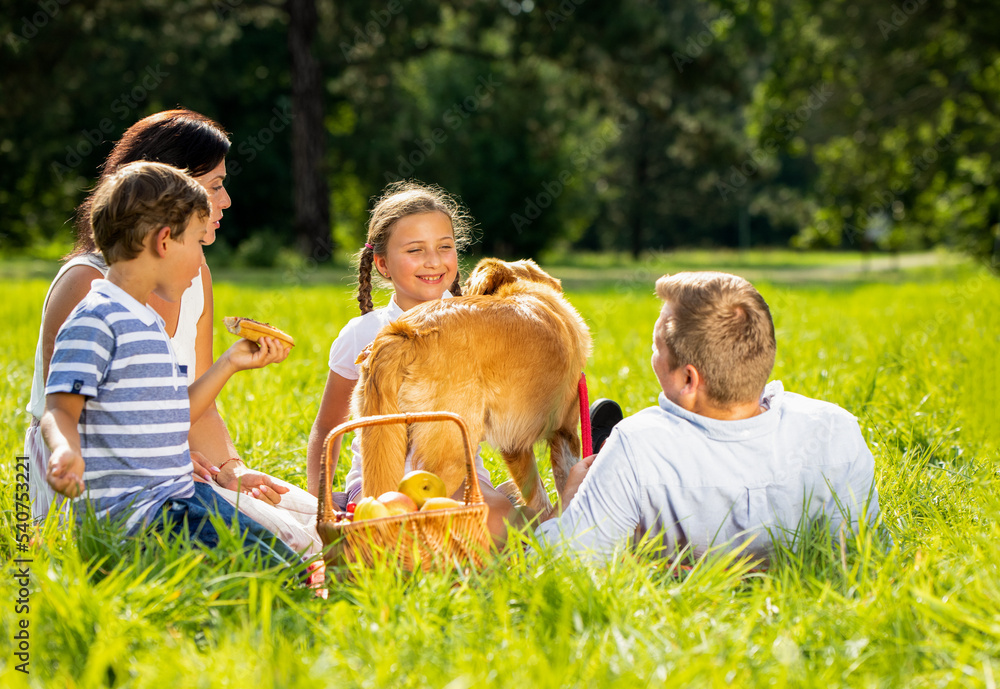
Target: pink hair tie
[[369, 246]]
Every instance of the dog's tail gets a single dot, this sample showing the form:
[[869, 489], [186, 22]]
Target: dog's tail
[[384, 448]]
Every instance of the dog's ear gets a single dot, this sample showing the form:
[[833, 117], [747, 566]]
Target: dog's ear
[[531, 271], [489, 275]]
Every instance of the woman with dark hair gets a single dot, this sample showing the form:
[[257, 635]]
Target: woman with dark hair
[[197, 145], [181, 138]]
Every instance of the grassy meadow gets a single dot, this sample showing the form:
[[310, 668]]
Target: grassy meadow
[[911, 348]]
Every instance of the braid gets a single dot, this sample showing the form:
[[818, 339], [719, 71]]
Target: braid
[[456, 287], [365, 281]]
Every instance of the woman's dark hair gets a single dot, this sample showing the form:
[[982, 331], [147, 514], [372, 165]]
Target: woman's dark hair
[[181, 138]]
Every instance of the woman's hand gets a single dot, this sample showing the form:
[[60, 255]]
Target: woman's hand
[[204, 470], [235, 476], [267, 491]]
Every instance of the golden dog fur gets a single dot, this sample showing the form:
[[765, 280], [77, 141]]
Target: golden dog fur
[[506, 357]]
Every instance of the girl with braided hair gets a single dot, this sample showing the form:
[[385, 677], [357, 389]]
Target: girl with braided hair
[[414, 235]]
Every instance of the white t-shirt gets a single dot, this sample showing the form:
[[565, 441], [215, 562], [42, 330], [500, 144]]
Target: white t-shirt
[[358, 334], [183, 341], [352, 340]]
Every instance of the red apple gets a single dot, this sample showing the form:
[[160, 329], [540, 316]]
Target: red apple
[[397, 503]]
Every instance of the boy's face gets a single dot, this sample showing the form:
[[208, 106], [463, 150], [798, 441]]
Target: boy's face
[[184, 258]]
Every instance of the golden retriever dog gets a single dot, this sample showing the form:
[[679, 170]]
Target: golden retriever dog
[[506, 357]]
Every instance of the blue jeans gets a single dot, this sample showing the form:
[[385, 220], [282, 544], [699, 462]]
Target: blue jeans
[[191, 515]]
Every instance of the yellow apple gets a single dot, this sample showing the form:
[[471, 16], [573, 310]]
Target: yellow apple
[[421, 485], [440, 504], [370, 508], [397, 503]]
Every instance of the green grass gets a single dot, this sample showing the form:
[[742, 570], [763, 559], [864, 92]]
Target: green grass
[[911, 351]]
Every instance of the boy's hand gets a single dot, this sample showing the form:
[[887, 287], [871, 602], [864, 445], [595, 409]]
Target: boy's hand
[[65, 472], [245, 354]]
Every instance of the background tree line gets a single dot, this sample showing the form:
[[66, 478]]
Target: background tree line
[[575, 124]]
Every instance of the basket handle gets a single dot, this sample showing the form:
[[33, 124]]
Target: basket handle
[[473, 493]]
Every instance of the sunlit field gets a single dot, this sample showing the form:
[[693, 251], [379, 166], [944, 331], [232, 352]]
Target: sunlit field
[[911, 349]]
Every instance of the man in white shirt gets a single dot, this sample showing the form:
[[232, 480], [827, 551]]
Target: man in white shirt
[[725, 459]]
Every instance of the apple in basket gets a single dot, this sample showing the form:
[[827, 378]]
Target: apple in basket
[[397, 503], [421, 485], [370, 508], [440, 504]]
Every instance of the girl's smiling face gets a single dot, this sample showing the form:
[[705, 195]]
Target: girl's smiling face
[[420, 259]]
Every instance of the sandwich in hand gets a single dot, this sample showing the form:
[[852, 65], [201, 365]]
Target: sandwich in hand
[[254, 330]]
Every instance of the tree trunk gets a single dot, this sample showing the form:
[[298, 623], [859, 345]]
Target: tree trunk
[[312, 198]]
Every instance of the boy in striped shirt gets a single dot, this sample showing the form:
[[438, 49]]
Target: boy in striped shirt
[[118, 408]]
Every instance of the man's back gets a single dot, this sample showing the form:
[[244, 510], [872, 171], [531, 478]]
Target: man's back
[[701, 482]]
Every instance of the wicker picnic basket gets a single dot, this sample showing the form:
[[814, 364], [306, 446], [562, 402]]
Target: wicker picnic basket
[[429, 540]]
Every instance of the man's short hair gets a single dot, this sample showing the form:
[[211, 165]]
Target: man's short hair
[[141, 198], [722, 326]]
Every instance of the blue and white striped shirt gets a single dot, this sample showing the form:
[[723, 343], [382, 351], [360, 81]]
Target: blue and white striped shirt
[[135, 421]]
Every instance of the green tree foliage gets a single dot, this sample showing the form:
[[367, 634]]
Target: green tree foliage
[[93, 68], [628, 126], [457, 102], [674, 77], [906, 144]]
